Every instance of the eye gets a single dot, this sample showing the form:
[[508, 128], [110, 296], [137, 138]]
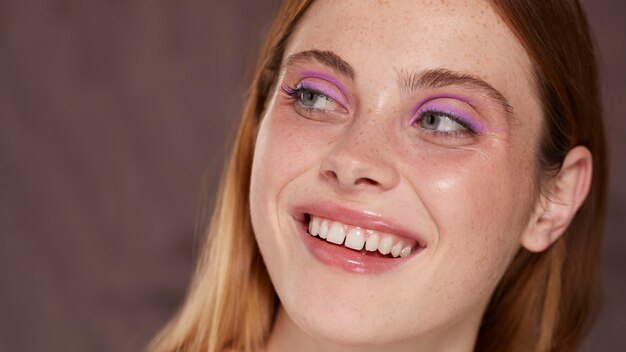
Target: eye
[[315, 100], [440, 122], [447, 117]]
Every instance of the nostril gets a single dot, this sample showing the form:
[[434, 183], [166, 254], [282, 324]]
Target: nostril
[[357, 181], [366, 181]]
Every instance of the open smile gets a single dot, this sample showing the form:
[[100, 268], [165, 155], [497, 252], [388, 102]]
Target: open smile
[[357, 238], [357, 242]]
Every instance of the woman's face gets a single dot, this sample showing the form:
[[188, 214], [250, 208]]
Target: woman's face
[[407, 131]]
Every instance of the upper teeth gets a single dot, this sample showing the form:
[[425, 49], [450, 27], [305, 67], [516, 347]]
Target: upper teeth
[[356, 238]]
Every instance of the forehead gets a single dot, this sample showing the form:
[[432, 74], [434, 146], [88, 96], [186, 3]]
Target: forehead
[[381, 38]]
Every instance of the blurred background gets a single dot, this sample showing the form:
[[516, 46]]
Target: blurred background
[[114, 119]]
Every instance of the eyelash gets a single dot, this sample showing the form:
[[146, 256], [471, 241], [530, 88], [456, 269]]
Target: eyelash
[[294, 94], [291, 91], [468, 129]]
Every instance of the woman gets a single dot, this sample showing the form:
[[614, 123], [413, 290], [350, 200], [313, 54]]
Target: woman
[[408, 176]]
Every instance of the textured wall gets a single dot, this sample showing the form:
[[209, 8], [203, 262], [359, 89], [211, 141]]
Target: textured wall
[[112, 113]]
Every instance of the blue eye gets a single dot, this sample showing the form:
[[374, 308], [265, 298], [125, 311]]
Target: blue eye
[[442, 123], [437, 121], [311, 98]]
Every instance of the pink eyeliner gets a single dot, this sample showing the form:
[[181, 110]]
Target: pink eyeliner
[[319, 87], [430, 105], [328, 78]]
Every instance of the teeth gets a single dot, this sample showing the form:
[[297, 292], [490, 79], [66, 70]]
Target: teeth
[[405, 251], [355, 239], [336, 234], [314, 226], [395, 250], [324, 229], [372, 242], [384, 247]]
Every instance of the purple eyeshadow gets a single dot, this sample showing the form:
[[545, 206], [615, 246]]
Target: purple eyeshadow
[[448, 109], [345, 99], [321, 88]]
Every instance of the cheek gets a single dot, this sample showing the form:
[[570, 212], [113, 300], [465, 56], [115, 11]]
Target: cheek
[[284, 149], [477, 203]]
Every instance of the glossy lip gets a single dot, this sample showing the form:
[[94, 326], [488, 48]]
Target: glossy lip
[[344, 258], [361, 218]]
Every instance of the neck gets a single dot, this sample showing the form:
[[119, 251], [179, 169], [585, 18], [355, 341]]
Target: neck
[[287, 336]]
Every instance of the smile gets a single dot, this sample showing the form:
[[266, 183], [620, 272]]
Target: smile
[[357, 238], [355, 241]]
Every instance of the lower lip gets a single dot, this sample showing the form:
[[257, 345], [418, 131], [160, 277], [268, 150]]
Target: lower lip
[[347, 259]]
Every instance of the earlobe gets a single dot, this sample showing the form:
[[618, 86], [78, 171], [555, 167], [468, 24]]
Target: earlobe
[[561, 198]]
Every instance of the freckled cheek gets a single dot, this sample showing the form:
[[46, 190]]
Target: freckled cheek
[[287, 146]]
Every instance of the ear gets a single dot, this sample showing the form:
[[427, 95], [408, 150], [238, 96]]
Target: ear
[[561, 197]]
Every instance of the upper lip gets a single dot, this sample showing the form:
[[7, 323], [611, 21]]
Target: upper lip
[[361, 218]]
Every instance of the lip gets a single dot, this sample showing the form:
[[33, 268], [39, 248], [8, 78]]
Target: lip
[[361, 218], [344, 258]]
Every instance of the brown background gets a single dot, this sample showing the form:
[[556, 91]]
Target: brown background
[[111, 115]]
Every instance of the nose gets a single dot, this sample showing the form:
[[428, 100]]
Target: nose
[[359, 161]]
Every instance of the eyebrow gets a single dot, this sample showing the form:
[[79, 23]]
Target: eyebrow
[[408, 81], [441, 77], [327, 58]]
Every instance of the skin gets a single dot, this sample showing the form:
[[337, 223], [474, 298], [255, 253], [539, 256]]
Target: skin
[[473, 197]]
